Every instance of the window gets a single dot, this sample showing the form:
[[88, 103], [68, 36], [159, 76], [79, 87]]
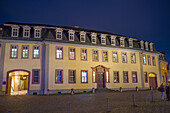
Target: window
[[146, 77], [94, 77], [82, 37], [130, 43], [83, 54], [35, 76], [133, 58], [107, 77], [84, 77], [103, 40], [26, 32], [14, 51], [93, 37], [115, 57], [146, 45], [36, 51], [15, 31], [71, 36], [122, 43], [72, 76], [134, 77], [124, 58], [113, 42], [37, 33], [59, 76], [95, 55], [125, 77], [59, 35], [153, 61], [72, 54], [149, 60], [142, 44], [59, 52], [144, 59], [151, 46], [116, 76], [105, 56], [25, 51]]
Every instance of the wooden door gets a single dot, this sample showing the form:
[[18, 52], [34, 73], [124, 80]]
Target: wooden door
[[100, 81], [152, 82]]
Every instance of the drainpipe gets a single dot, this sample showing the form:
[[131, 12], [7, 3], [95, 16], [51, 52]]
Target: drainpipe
[[141, 69]]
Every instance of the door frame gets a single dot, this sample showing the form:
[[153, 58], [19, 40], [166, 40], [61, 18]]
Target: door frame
[[7, 86], [153, 77]]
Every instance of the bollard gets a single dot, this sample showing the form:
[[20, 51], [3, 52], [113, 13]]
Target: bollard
[[137, 88], [152, 96], [68, 107], [120, 89], [72, 91], [107, 104], [93, 90], [133, 97]]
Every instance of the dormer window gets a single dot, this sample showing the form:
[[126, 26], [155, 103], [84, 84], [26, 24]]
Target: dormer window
[[146, 45], [82, 36], [26, 31], [122, 42], [142, 44], [15, 31], [59, 33], [113, 41], [71, 35], [131, 43], [151, 46], [103, 39], [93, 38], [37, 32]]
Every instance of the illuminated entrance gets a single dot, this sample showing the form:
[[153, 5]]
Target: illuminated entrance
[[152, 80], [18, 82]]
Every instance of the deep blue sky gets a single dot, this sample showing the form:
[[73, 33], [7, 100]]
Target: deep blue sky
[[143, 19]]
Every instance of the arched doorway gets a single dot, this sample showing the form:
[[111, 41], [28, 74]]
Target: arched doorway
[[18, 82], [152, 80], [101, 76]]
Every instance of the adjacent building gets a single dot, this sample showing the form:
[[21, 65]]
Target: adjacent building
[[41, 59]]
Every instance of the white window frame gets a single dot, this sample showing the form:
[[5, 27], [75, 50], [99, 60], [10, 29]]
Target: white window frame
[[103, 38], [59, 30], [151, 46], [142, 44], [131, 41], [37, 28], [94, 35], [26, 28], [122, 39], [17, 28], [82, 33], [146, 46], [71, 32], [113, 38]]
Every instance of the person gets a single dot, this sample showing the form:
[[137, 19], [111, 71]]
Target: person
[[168, 92], [162, 90]]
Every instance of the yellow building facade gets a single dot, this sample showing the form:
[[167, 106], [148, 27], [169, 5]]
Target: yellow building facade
[[41, 59]]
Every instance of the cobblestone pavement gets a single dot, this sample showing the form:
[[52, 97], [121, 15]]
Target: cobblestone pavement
[[86, 103]]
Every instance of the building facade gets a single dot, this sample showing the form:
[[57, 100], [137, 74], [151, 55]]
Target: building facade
[[43, 59]]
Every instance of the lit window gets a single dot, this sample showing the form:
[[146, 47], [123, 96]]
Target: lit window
[[149, 60], [153, 60], [124, 58], [115, 57], [134, 77], [94, 76], [116, 76], [35, 76], [59, 76], [72, 53], [36, 51], [59, 53], [59, 35], [25, 52], [82, 38], [107, 76], [72, 76], [146, 77], [105, 56], [144, 59], [125, 77], [133, 58], [14, 51], [95, 55], [84, 78], [103, 40], [83, 54]]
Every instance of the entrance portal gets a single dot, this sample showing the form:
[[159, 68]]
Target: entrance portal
[[152, 80], [18, 83], [100, 81]]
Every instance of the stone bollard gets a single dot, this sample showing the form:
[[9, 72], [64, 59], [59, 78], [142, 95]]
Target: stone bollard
[[93, 90], [121, 89], [72, 91], [137, 89]]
